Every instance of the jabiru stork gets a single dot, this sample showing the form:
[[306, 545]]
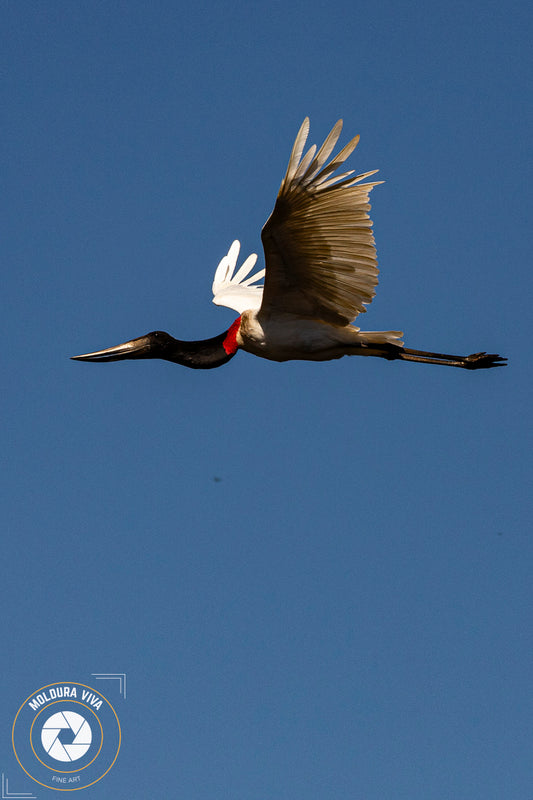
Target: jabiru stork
[[320, 272]]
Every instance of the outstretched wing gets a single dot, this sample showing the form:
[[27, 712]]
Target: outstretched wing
[[237, 291], [319, 247]]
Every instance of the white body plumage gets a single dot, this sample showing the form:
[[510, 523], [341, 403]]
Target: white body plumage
[[285, 337]]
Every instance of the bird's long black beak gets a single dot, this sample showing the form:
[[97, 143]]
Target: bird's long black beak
[[135, 348]]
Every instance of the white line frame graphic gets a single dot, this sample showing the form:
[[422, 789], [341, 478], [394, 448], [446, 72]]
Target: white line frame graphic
[[12, 795], [110, 676]]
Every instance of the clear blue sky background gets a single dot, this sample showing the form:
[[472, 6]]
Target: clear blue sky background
[[317, 577]]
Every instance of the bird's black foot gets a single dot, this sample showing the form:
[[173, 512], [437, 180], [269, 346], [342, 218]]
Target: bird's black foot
[[484, 361]]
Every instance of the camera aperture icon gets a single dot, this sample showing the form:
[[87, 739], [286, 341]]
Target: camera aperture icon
[[66, 736]]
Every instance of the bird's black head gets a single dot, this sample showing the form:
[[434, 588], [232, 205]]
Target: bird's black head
[[204, 354], [157, 344]]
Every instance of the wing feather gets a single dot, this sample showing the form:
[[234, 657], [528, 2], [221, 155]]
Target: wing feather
[[237, 290], [319, 247]]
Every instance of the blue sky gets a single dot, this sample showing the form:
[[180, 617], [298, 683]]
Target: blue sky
[[317, 577]]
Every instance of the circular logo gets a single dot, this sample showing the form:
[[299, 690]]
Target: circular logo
[[66, 736], [78, 741]]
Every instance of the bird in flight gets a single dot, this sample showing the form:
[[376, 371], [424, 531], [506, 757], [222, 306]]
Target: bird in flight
[[320, 273]]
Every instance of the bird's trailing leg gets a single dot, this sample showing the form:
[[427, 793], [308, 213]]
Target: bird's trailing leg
[[473, 361]]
